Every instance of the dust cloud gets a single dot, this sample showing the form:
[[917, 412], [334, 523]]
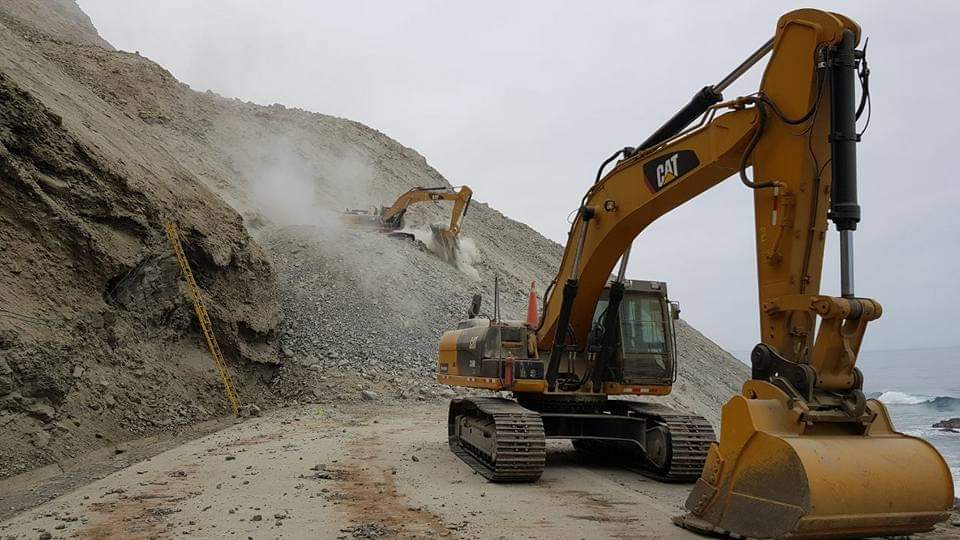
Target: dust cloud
[[463, 255], [291, 184]]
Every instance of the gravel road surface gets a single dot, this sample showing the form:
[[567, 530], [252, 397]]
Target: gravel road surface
[[307, 472]]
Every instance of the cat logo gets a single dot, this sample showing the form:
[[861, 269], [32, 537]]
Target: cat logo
[[667, 170], [661, 171], [473, 343]]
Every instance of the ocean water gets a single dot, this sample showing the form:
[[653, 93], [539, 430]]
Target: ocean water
[[919, 387]]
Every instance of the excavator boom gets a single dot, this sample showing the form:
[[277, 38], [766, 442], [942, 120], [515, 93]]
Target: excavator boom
[[659, 177]]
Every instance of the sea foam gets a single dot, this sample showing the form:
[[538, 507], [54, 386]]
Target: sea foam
[[902, 398]]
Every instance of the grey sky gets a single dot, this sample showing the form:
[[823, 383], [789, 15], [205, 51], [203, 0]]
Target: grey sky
[[523, 100]]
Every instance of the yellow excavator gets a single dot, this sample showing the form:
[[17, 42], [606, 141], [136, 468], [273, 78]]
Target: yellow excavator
[[802, 452], [390, 219]]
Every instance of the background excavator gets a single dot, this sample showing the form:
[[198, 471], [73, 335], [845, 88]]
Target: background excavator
[[390, 219], [802, 453]]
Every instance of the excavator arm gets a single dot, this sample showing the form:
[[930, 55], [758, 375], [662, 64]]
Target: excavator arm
[[460, 204]]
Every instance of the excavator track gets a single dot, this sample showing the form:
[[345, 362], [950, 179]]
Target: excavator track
[[497, 438], [677, 443], [689, 439]]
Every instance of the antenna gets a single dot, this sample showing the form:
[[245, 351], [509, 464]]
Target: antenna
[[496, 297]]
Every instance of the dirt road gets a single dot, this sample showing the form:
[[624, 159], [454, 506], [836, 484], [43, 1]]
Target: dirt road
[[353, 472], [379, 471]]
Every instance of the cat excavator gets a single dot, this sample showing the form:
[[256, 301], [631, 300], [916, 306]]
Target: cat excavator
[[802, 453], [390, 220]]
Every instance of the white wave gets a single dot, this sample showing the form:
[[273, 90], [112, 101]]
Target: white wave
[[902, 398], [930, 434]]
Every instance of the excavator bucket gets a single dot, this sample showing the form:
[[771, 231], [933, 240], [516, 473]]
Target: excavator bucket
[[775, 476], [445, 244]]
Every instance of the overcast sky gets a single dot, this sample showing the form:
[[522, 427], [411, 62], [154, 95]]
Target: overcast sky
[[523, 100]]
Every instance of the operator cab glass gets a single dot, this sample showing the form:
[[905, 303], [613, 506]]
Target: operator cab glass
[[646, 337]]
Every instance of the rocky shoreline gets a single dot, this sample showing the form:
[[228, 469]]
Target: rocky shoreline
[[951, 424]]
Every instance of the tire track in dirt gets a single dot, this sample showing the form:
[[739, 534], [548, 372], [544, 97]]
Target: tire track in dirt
[[142, 514], [371, 499]]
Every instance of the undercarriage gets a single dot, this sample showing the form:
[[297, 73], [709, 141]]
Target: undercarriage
[[505, 441]]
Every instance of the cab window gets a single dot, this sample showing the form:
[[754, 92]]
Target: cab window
[[642, 325]]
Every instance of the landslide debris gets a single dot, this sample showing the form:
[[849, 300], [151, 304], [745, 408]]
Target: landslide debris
[[370, 304]]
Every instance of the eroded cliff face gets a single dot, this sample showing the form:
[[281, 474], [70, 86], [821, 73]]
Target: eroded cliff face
[[97, 343], [62, 20]]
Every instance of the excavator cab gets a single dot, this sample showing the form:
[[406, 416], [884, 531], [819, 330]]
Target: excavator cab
[[646, 341]]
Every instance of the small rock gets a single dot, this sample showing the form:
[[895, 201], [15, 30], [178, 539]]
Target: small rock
[[41, 439], [42, 412], [369, 395], [415, 458], [45, 535], [257, 517], [230, 458], [78, 372], [249, 410], [951, 424]]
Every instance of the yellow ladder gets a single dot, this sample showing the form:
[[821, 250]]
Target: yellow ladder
[[202, 316]]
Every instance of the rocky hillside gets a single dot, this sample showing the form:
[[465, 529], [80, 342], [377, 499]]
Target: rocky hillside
[[97, 341]]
